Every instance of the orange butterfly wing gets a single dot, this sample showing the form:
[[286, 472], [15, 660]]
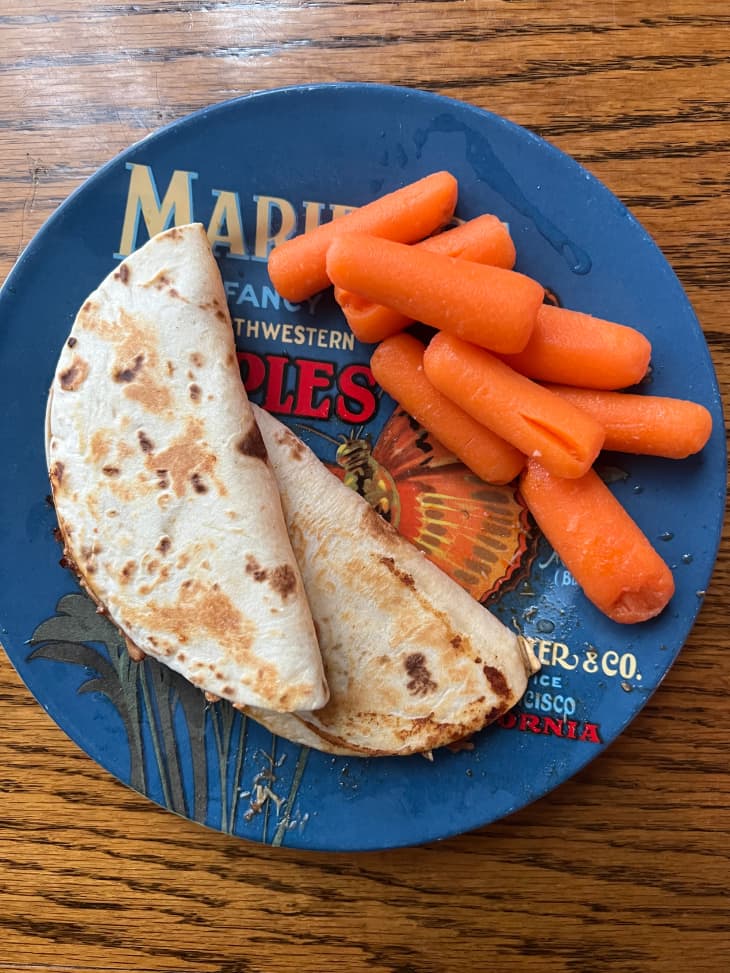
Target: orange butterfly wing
[[476, 532]]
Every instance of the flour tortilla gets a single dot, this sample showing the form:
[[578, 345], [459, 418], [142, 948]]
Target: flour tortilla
[[413, 662], [166, 502]]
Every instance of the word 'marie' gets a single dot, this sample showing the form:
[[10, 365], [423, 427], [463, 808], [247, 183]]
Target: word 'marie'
[[275, 219]]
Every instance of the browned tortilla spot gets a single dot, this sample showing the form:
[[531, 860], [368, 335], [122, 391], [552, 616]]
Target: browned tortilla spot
[[159, 281], [227, 691], [127, 571], [403, 576], [198, 612], [152, 566], [186, 456], [152, 397], [254, 568], [456, 641], [57, 474], [135, 349], [252, 443], [420, 682], [195, 392], [123, 274], [181, 657], [283, 580], [296, 446], [497, 681], [163, 481], [198, 484], [110, 470], [221, 315], [145, 442], [73, 376], [170, 368], [173, 292], [88, 556], [197, 359], [135, 653], [129, 372], [164, 544], [71, 342]]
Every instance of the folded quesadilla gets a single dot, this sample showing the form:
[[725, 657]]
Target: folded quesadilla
[[413, 662], [167, 505]]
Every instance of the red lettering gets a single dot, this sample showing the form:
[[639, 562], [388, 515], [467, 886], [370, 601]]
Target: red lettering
[[590, 733], [552, 726], [508, 721], [357, 402], [528, 721], [275, 400], [572, 728], [313, 375], [253, 371]]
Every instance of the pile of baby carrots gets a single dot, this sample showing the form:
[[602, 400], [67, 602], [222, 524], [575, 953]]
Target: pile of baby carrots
[[511, 385]]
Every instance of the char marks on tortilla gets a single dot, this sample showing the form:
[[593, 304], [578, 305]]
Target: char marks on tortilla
[[162, 486], [413, 662]]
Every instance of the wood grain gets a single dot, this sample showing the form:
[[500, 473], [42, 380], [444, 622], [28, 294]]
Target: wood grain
[[625, 867]]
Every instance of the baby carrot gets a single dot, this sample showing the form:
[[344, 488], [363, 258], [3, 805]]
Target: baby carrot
[[647, 424], [604, 549], [397, 364], [530, 417], [483, 240], [576, 349], [297, 267], [490, 306]]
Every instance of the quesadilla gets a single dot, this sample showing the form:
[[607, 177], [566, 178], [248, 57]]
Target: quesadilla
[[413, 662], [167, 505]]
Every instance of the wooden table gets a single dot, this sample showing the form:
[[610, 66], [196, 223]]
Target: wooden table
[[625, 867]]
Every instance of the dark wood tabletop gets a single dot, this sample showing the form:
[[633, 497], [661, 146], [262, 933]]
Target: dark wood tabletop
[[624, 867]]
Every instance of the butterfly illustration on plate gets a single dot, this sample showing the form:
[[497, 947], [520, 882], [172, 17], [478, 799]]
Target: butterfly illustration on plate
[[477, 533]]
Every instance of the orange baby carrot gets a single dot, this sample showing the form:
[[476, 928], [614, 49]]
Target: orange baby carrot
[[490, 306], [397, 364], [647, 424], [297, 267], [533, 419], [576, 349], [604, 549], [483, 240]]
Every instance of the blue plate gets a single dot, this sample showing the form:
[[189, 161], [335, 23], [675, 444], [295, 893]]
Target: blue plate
[[252, 169]]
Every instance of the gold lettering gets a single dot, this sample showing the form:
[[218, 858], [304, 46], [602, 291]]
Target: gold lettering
[[227, 214], [143, 198], [312, 216], [266, 238], [338, 210]]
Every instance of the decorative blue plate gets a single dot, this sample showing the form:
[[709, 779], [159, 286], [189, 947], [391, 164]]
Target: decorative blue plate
[[252, 170]]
